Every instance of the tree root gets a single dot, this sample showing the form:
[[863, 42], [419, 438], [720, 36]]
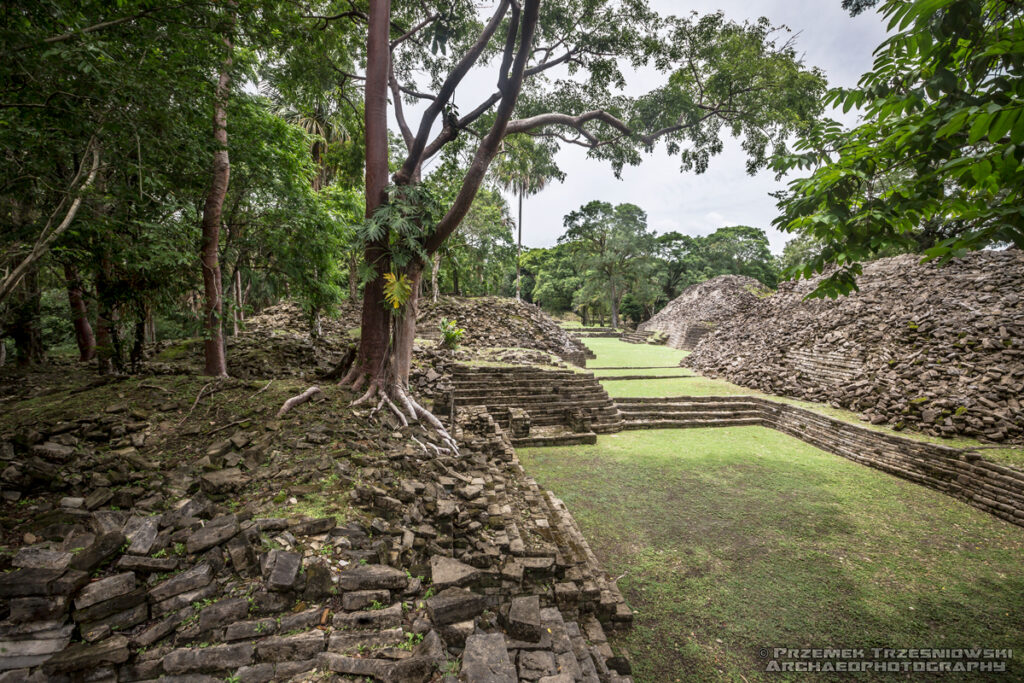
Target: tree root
[[390, 404], [263, 389], [298, 400], [344, 366], [371, 392], [195, 403], [421, 413]]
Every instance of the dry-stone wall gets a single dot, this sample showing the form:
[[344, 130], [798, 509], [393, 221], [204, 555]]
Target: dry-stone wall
[[940, 350], [493, 321], [701, 307]]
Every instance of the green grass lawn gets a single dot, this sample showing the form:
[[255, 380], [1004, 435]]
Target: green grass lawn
[[613, 353], [730, 540], [684, 386], [615, 372], [617, 354]]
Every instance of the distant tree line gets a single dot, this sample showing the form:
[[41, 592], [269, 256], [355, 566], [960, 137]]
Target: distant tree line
[[608, 266]]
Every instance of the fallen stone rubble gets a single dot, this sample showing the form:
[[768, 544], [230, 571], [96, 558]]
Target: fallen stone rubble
[[700, 308], [938, 350], [141, 570], [501, 322]]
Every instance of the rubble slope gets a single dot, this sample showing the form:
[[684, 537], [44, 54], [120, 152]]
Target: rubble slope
[[940, 350], [700, 307]]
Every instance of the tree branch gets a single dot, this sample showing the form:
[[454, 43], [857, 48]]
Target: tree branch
[[489, 146], [463, 66], [46, 237], [414, 30], [399, 110]]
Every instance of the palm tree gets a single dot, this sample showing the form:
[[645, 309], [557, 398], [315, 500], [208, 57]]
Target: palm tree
[[321, 118], [525, 168]]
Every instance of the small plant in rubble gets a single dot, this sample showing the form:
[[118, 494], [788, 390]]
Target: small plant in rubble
[[451, 334]]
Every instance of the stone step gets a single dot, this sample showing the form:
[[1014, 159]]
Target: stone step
[[687, 406], [517, 371], [667, 414], [531, 387], [683, 404], [633, 367], [619, 378], [539, 403], [689, 399], [691, 424], [566, 439]]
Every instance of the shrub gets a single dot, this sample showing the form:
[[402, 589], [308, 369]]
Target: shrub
[[451, 334]]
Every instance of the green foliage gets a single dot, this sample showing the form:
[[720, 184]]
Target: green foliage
[[408, 217], [935, 167], [397, 290], [136, 82], [451, 334], [613, 247], [558, 279], [526, 165]]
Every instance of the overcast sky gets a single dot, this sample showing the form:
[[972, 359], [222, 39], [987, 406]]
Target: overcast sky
[[826, 36]]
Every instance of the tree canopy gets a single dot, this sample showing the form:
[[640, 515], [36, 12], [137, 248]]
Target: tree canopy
[[935, 166]]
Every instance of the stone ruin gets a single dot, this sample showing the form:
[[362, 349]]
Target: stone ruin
[[493, 321], [139, 562], [935, 349], [700, 308], [277, 341]]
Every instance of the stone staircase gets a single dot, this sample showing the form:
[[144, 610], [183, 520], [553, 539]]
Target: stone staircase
[[642, 337], [689, 411], [585, 332], [563, 407]]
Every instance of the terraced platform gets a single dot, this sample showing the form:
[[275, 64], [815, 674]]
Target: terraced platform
[[688, 411], [563, 407]]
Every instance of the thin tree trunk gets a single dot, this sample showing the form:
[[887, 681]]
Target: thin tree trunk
[[239, 311], [150, 325], [47, 236], [615, 309], [245, 295], [213, 307], [519, 250], [436, 263], [26, 312], [79, 315], [139, 341], [353, 275], [105, 321]]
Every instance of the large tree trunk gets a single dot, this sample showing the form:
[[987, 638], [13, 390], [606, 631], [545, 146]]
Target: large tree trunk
[[519, 250], [213, 306], [79, 315], [405, 332], [376, 323]]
